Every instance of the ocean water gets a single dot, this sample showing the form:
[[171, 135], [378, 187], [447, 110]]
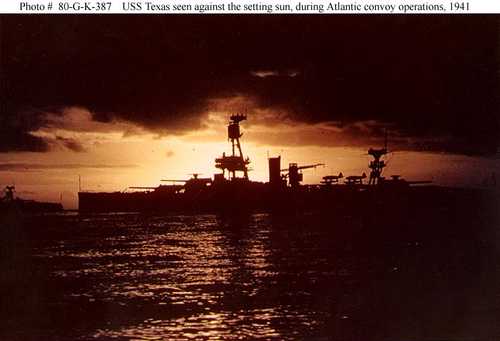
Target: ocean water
[[248, 277]]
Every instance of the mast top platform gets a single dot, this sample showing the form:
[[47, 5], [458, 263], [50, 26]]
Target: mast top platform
[[237, 118], [377, 153]]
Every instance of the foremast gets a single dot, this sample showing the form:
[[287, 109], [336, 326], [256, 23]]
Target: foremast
[[234, 162]]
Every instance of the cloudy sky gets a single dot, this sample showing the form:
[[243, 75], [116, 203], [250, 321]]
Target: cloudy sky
[[128, 100]]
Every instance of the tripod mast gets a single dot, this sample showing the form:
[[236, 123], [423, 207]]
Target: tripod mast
[[234, 162]]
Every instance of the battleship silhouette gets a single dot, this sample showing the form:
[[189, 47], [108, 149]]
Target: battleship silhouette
[[233, 191], [10, 202]]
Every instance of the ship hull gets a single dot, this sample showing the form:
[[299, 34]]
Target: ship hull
[[350, 200], [28, 206], [224, 197]]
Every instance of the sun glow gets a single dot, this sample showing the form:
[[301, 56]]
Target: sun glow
[[112, 156]]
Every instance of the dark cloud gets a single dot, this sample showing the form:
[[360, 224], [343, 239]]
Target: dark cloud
[[15, 127], [21, 141], [428, 76], [70, 144], [16, 166]]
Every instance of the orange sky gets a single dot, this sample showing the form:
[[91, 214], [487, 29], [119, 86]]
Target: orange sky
[[116, 155]]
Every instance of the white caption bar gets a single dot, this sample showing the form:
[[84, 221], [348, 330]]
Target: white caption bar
[[249, 6]]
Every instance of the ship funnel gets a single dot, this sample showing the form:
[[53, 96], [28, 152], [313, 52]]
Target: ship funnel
[[274, 170]]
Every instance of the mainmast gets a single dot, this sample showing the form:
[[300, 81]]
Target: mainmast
[[377, 165], [235, 162]]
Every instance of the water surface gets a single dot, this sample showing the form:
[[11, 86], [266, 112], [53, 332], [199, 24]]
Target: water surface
[[261, 276]]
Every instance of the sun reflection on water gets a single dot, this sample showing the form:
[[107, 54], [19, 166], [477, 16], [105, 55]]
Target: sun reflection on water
[[208, 326], [192, 277]]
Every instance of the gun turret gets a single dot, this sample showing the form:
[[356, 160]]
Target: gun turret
[[294, 176]]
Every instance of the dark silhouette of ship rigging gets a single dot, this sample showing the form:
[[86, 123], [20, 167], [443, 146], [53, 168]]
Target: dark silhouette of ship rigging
[[232, 190], [234, 162], [10, 201]]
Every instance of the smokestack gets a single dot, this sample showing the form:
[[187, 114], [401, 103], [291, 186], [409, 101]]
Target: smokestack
[[274, 170]]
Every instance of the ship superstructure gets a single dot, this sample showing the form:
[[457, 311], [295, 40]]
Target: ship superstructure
[[235, 162], [233, 190]]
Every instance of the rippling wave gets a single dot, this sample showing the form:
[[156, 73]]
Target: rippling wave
[[131, 276]]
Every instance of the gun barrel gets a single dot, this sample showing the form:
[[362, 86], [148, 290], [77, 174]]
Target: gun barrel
[[311, 166]]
